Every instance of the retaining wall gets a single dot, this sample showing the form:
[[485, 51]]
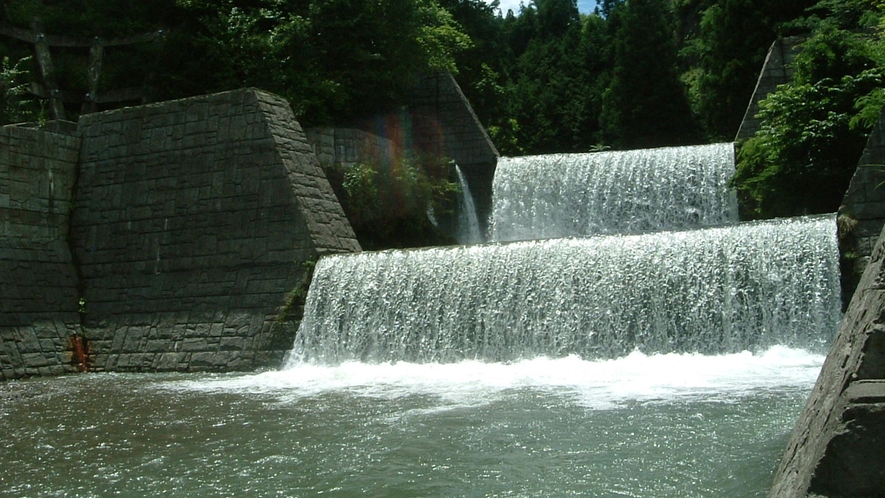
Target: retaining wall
[[444, 124], [862, 213], [39, 288], [193, 221]]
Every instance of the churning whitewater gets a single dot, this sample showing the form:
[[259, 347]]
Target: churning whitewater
[[712, 291], [577, 195]]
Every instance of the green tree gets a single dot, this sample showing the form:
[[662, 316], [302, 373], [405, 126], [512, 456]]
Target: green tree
[[645, 104], [122, 67], [13, 86], [551, 94], [388, 202], [734, 38], [814, 129], [333, 59]]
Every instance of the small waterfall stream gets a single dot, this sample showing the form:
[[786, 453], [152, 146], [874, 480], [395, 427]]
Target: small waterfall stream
[[469, 229]]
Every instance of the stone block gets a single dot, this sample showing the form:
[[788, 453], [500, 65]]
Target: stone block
[[240, 363], [163, 195], [167, 362], [35, 360], [194, 344], [158, 345], [28, 341], [134, 339], [232, 344], [206, 361]]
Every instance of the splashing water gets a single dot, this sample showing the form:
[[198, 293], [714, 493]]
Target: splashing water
[[574, 195], [712, 291]]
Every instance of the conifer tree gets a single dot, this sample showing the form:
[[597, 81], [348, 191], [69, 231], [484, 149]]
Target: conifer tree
[[645, 104]]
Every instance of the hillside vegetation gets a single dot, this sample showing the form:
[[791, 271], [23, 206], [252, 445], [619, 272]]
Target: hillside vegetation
[[635, 73]]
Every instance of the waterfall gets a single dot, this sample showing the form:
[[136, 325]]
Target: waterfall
[[574, 195], [714, 290], [468, 230]]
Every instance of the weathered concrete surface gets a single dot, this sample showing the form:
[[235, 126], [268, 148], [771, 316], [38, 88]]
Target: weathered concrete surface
[[836, 447], [38, 280], [193, 221], [777, 70], [862, 213]]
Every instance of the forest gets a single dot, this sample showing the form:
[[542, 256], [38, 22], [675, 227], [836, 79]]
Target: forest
[[631, 74]]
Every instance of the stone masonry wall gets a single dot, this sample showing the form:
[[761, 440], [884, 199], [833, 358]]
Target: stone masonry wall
[[864, 201], [194, 220], [862, 213], [348, 146], [39, 288], [836, 448], [777, 70]]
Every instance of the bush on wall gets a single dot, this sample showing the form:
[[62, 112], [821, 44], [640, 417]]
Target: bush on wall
[[396, 203]]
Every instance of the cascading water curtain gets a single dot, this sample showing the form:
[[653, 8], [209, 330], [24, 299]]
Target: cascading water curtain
[[576, 195], [469, 231], [718, 290]]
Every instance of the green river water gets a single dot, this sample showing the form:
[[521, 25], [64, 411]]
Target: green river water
[[640, 426]]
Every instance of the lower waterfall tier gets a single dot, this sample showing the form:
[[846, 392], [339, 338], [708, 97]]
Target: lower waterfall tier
[[716, 290]]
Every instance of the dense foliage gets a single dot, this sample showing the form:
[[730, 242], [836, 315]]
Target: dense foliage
[[815, 128], [13, 105], [634, 73], [394, 203]]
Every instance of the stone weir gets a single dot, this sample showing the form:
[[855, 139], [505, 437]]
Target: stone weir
[[194, 220]]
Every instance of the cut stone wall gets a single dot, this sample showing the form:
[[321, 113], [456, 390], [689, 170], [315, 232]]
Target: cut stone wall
[[836, 448], [194, 220], [39, 288], [864, 201], [862, 213], [348, 146]]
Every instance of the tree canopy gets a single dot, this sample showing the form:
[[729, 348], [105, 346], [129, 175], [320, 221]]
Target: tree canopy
[[633, 73]]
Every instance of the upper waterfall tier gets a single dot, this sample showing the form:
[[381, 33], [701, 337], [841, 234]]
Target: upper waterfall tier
[[715, 290], [577, 195]]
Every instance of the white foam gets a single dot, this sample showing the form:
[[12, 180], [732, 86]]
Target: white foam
[[593, 384]]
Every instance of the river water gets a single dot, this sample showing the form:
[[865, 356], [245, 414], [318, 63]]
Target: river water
[[675, 425], [655, 349]]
